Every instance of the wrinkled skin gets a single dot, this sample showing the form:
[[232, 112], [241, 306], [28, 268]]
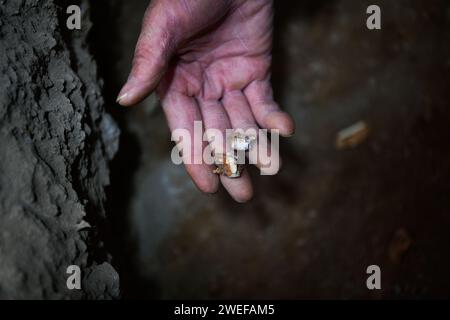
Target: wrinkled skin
[[209, 61]]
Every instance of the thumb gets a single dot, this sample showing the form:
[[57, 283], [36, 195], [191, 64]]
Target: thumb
[[155, 46]]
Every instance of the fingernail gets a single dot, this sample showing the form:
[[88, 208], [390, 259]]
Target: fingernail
[[288, 135], [121, 97]]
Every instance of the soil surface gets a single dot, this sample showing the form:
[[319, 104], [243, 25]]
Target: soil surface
[[55, 144]]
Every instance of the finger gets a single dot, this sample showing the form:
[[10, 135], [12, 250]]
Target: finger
[[240, 189], [241, 117], [216, 123], [238, 110], [153, 51], [215, 117], [266, 111], [181, 113]]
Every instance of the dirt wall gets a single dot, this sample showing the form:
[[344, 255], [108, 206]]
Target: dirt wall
[[55, 144]]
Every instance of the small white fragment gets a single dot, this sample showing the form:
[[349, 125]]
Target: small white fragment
[[242, 142], [352, 136]]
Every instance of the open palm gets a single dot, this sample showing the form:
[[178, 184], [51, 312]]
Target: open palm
[[209, 61]]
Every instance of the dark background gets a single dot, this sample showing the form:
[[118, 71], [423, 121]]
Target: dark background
[[312, 230]]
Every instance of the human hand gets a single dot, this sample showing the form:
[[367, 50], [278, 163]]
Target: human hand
[[209, 61]]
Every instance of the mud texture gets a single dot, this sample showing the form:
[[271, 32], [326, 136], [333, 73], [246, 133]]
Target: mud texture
[[55, 144]]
